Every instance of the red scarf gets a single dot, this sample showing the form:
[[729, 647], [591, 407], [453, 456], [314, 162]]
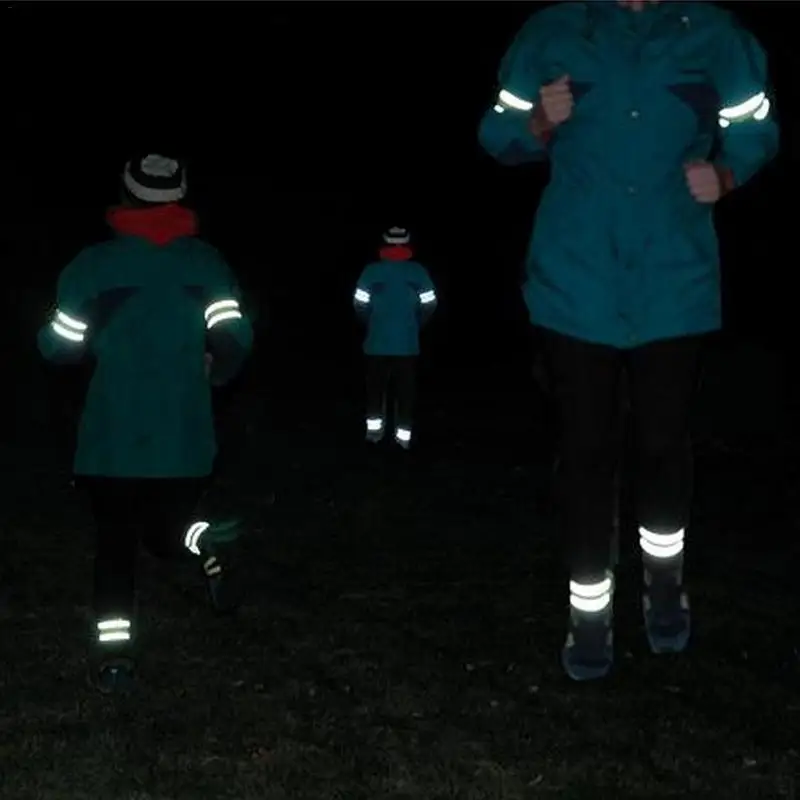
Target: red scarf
[[158, 224], [396, 252]]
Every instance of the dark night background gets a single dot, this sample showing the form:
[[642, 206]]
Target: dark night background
[[308, 128]]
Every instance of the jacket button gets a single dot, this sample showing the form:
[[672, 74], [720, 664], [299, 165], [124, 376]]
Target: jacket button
[[635, 114]]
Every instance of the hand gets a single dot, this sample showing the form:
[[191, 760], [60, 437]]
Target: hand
[[554, 107], [706, 182], [209, 360]]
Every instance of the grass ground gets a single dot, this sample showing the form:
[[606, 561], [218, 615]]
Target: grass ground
[[400, 640]]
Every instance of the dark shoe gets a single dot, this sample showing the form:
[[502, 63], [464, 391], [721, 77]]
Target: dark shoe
[[114, 675], [588, 652], [667, 616], [665, 603]]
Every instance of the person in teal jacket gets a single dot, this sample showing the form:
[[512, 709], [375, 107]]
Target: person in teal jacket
[[394, 297], [648, 113], [157, 311]]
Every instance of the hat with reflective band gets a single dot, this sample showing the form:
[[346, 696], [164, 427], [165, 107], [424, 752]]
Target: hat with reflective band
[[155, 179], [396, 236]]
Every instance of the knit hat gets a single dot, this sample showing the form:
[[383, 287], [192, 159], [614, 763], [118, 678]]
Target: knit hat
[[396, 236], [155, 179]]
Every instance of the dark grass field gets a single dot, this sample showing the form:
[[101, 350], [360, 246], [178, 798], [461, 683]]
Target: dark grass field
[[402, 627]]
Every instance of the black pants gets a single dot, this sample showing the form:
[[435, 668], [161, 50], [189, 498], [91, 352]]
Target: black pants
[[660, 379], [392, 377], [130, 511]]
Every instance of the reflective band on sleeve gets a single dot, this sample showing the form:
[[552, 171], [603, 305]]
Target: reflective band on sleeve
[[191, 540], [68, 327], [362, 296], [427, 297], [114, 630], [590, 597], [507, 100], [661, 545], [756, 107], [220, 311]]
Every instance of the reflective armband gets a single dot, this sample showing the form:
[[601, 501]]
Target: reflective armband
[[68, 327], [506, 101], [756, 108], [222, 310]]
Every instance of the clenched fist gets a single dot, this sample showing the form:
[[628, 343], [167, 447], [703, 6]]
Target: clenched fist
[[554, 107], [706, 182]]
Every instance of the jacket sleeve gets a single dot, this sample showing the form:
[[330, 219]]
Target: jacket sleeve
[[504, 131], [362, 296], [428, 299], [65, 336], [229, 333], [749, 136]]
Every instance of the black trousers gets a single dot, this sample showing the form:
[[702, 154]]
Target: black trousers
[[392, 378], [130, 511], [660, 379]]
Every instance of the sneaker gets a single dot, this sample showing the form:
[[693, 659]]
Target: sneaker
[[588, 652], [667, 616], [665, 603]]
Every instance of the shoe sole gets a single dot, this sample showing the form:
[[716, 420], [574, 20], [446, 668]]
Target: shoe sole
[[661, 645], [582, 674], [672, 643]]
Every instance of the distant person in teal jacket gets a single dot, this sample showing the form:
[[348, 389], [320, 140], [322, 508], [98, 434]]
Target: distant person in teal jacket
[[649, 113], [394, 297], [158, 312]]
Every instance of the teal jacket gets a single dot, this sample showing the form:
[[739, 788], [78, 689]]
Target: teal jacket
[[146, 308], [394, 297], [621, 254]]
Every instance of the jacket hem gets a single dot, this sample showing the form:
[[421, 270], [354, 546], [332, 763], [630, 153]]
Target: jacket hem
[[626, 343]]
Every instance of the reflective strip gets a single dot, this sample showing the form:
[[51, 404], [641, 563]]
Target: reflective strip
[[507, 100], [114, 630], [590, 597], [661, 545], [68, 327], [212, 567], [362, 296], [374, 424], [222, 310], [762, 112], [756, 107], [192, 536], [427, 297], [402, 435]]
